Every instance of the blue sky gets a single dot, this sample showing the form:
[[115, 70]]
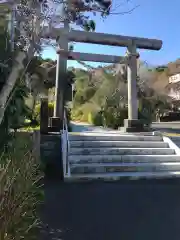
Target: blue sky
[[153, 19]]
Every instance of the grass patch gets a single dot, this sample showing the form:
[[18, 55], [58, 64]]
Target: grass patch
[[20, 190], [30, 129], [171, 134]]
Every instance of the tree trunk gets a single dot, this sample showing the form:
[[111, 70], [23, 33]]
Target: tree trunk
[[34, 103], [10, 82]]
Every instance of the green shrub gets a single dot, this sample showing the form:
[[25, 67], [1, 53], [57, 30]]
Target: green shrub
[[50, 109], [84, 117], [68, 115], [114, 117], [90, 118], [50, 113], [6, 135], [36, 114], [86, 109], [76, 114], [82, 113], [37, 111], [92, 108], [145, 116], [95, 118]]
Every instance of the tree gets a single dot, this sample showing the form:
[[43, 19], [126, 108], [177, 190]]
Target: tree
[[26, 44], [30, 17], [16, 110]]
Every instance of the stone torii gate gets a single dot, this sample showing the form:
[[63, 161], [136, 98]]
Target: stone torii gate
[[132, 124]]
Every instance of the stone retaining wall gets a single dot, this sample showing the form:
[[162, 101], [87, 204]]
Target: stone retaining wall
[[35, 137], [47, 148], [50, 153]]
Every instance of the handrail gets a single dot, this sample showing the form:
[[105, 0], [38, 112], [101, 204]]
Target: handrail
[[66, 145]]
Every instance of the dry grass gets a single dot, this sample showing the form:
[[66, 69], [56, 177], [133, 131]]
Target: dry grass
[[171, 134], [20, 192]]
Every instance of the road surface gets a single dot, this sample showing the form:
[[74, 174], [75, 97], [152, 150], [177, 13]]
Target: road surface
[[173, 127], [138, 210]]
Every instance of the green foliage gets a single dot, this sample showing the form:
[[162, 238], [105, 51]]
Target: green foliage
[[81, 113], [83, 96], [89, 25], [5, 57], [81, 19], [101, 99], [161, 68], [36, 114], [114, 117], [92, 25], [95, 118], [50, 113], [5, 54], [76, 114], [17, 110], [68, 115], [15, 115], [97, 100], [33, 64], [6, 135], [50, 109]]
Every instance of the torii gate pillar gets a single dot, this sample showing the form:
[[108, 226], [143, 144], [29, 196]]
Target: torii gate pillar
[[56, 122], [132, 81], [132, 124]]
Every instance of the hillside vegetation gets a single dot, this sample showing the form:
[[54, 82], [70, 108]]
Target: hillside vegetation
[[101, 95]]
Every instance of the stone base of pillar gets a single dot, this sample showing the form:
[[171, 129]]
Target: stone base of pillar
[[55, 124], [135, 125]]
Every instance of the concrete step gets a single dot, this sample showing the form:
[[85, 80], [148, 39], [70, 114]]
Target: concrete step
[[121, 151], [122, 175], [122, 158], [112, 137], [124, 167], [120, 144]]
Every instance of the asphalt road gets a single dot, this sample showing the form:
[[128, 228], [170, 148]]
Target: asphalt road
[[173, 127], [138, 210]]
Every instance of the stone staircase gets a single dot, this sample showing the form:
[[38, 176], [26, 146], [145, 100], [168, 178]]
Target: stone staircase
[[111, 156]]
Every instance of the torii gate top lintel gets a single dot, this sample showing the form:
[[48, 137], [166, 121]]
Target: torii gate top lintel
[[114, 40], [107, 39]]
